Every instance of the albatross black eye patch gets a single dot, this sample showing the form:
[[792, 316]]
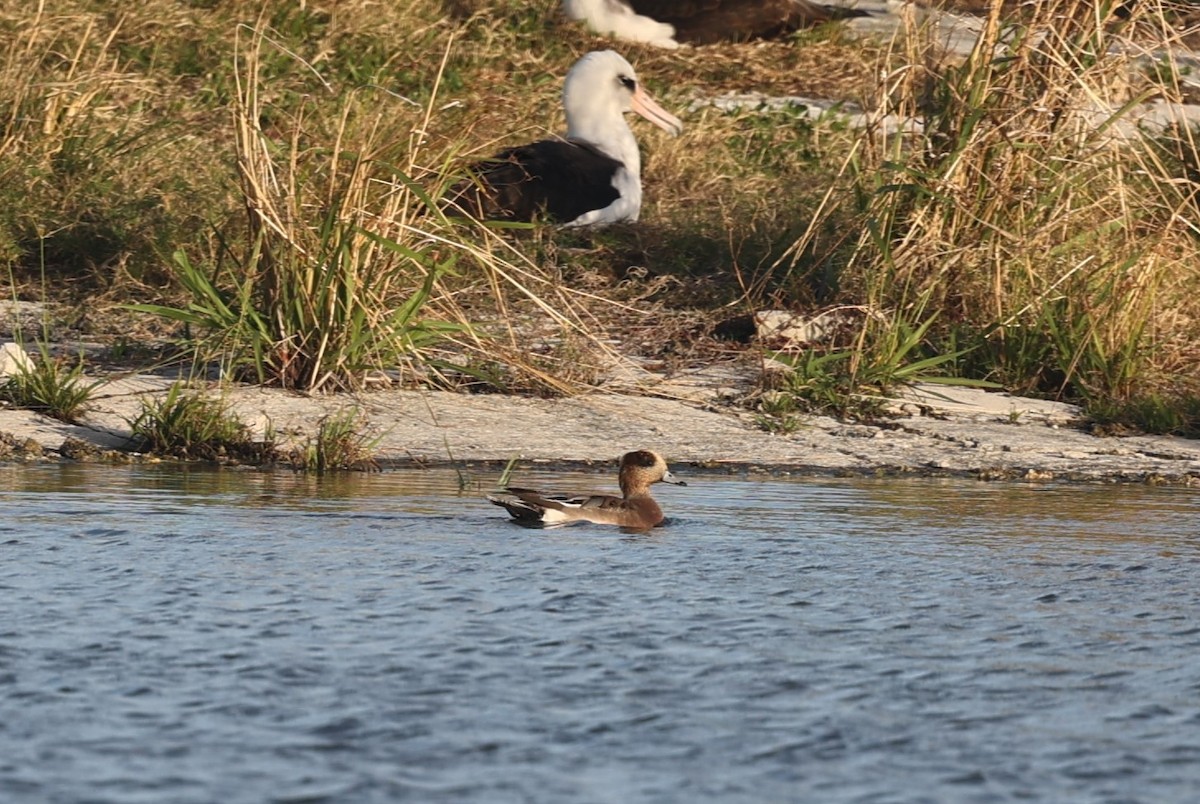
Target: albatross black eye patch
[[628, 82]]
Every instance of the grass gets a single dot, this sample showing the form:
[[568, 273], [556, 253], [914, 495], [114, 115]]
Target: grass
[[337, 445], [257, 183], [1046, 230], [55, 387], [855, 382], [188, 425], [325, 288], [1172, 413]]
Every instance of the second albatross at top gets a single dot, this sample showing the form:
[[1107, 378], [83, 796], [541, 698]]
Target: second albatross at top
[[591, 177], [668, 23]]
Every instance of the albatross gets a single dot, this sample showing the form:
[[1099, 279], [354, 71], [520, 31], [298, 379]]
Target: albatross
[[592, 176], [668, 23]]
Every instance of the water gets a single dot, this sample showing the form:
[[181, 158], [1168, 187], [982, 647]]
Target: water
[[170, 636]]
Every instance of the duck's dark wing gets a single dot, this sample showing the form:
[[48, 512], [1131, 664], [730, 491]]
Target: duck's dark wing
[[707, 21], [561, 501], [538, 509], [559, 179]]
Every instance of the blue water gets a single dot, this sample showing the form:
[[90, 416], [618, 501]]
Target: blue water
[[204, 636]]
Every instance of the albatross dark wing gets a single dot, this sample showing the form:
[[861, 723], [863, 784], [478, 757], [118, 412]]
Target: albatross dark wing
[[559, 179], [703, 22]]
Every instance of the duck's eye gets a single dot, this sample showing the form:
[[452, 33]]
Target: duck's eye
[[628, 83]]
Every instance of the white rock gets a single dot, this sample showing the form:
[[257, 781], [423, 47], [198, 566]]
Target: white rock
[[788, 330], [12, 360]]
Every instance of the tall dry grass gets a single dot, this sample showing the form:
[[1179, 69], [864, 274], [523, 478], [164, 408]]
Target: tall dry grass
[[82, 151], [1036, 213], [288, 154]]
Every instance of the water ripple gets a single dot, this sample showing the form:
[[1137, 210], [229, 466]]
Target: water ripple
[[233, 636]]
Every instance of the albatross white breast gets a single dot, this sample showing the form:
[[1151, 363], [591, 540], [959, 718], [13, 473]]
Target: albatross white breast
[[590, 177], [667, 23]]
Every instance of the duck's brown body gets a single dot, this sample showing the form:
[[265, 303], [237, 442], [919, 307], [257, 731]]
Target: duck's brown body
[[634, 509]]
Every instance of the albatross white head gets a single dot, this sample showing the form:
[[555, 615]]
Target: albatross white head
[[600, 88]]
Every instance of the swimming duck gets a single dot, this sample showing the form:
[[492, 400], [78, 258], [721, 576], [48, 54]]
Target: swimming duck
[[635, 509], [593, 176]]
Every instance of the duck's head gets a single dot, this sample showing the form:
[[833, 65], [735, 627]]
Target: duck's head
[[643, 467]]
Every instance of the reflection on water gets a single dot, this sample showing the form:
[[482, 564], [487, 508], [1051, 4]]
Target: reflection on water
[[170, 635]]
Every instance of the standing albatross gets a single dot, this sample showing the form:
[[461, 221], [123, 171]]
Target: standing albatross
[[667, 23], [590, 177]]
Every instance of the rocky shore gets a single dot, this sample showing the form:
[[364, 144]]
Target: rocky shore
[[934, 431]]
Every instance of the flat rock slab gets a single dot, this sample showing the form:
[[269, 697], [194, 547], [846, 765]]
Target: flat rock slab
[[937, 431]]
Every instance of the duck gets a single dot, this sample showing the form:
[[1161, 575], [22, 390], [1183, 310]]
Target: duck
[[635, 509], [590, 177], [669, 23]]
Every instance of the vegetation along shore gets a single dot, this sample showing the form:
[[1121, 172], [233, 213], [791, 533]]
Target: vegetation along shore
[[206, 206]]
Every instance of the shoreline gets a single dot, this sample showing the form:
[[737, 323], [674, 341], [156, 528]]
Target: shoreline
[[935, 431]]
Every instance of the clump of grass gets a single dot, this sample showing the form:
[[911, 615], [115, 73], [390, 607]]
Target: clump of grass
[[338, 444], [779, 412], [317, 298], [1042, 224], [1157, 413], [52, 386], [855, 382], [812, 382], [187, 425]]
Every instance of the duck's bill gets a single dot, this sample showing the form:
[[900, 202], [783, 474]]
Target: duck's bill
[[670, 478], [648, 108]]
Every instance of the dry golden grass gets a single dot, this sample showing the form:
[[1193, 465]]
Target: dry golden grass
[[1032, 215], [129, 135]]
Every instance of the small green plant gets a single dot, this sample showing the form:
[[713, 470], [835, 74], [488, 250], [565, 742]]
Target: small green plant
[[331, 284], [50, 386], [506, 473], [819, 382], [1156, 413], [338, 444], [815, 381], [777, 415], [855, 382], [187, 425]]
